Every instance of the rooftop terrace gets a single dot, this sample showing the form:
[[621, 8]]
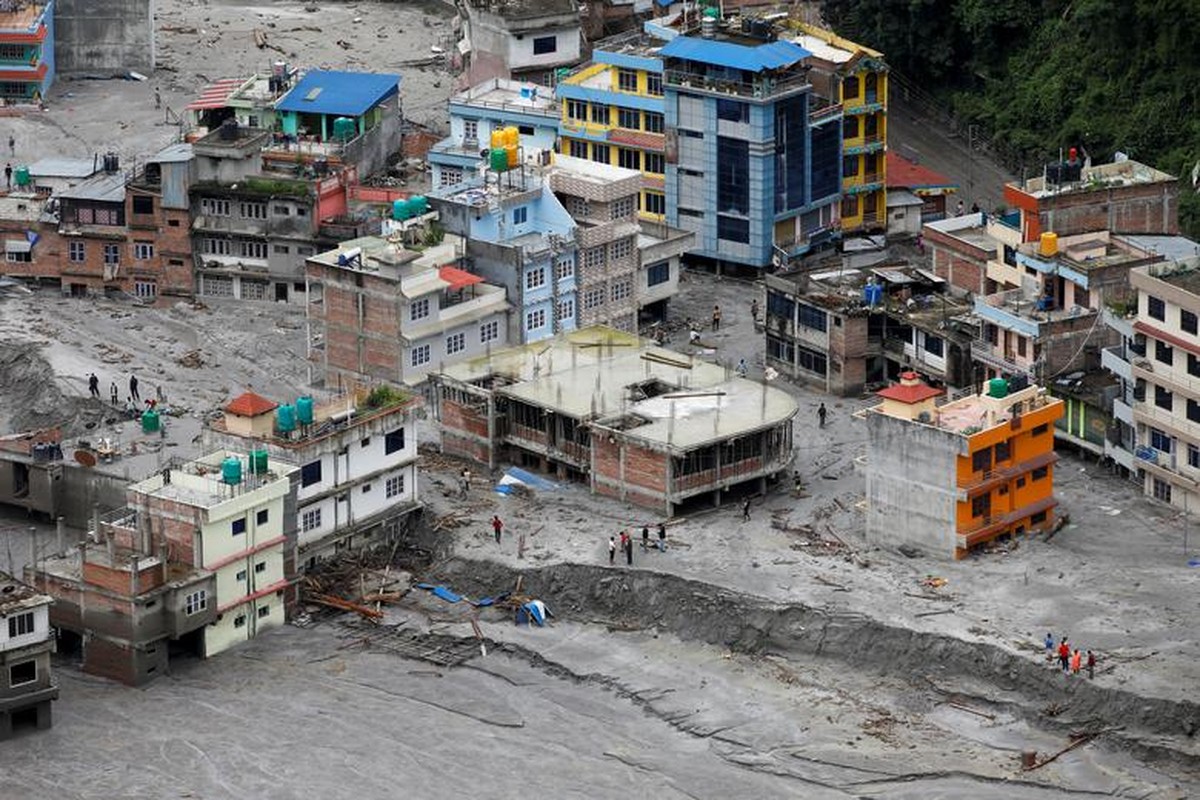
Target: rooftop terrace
[[198, 483], [1104, 176]]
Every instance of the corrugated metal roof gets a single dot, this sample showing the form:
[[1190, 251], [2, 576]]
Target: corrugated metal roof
[[180, 151], [215, 95], [772, 55], [105, 188], [63, 167], [347, 93]]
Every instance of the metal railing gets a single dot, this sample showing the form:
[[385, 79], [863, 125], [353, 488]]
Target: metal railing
[[766, 86]]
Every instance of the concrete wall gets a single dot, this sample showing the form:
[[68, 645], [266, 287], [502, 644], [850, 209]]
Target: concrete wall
[[911, 489], [104, 35]]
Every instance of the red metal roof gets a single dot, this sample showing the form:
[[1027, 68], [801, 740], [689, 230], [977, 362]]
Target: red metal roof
[[38, 35], [216, 95], [909, 393], [250, 405], [458, 278], [646, 141], [910, 175]]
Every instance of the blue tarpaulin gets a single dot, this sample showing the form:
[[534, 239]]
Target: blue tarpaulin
[[772, 55], [489, 601], [441, 591], [515, 476]]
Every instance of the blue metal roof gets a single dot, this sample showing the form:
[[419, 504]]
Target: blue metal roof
[[771, 55], [349, 94]]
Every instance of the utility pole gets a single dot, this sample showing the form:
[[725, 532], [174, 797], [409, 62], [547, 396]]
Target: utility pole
[[971, 162]]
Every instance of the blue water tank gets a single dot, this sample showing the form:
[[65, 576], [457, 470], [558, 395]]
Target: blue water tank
[[872, 294], [285, 418], [400, 210], [344, 128], [418, 205], [231, 471], [304, 410]]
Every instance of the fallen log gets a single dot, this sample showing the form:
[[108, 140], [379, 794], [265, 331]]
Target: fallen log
[[345, 605]]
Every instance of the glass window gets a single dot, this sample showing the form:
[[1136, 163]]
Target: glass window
[[654, 84], [850, 127], [656, 203], [733, 176], [811, 317], [629, 118], [112, 254], [419, 309], [394, 486], [658, 273], [653, 122], [311, 519], [981, 460], [655, 163], [1163, 352], [195, 602], [629, 158], [535, 278], [563, 269], [456, 343], [565, 309], [733, 110], [1187, 321], [1156, 308], [627, 80], [733, 229], [1160, 441], [535, 319], [310, 473], [520, 215], [850, 88], [545, 44], [238, 526], [577, 110], [600, 114], [1039, 473], [471, 129], [1162, 490], [577, 148], [981, 506], [20, 624], [420, 355], [601, 153], [1163, 398], [1193, 410], [489, 331], [77, 252], [934, 345]]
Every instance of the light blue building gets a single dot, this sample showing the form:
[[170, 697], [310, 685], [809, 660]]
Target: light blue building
[[753, 156], [26, 52], [520, 237], [493, 104]]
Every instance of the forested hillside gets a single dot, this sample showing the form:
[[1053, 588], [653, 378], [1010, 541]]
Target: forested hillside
[[1037, 75]]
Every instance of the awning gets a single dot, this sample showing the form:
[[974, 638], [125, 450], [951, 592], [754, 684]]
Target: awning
[[216, 95], [458, 278], [17, 246]]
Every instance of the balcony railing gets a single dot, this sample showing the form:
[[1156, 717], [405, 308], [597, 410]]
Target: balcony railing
[[763, 87]]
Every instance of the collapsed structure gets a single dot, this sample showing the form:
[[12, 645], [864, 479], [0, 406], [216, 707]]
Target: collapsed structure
[[26, 642], [644, 424]]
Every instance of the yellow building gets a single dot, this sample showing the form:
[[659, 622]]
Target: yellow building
[[612, 113], [857, 77]]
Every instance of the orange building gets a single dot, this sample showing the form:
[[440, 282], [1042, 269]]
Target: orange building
[[946, 478]]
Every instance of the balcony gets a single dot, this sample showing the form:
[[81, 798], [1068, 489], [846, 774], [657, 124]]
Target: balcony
[[863, 144], [1123, 411], [987, 353], [760, 88], [822, 112], [1115, 360], [863, 184]]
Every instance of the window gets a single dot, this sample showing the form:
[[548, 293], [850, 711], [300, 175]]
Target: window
[[264, 611], [418, 309], [310, 520], [20, 624], [535, 319], [981, 460], [241, 576], [1156, 308], [850, 128], [254, 250], [1003, 451], [450, 176], [658, 273], [813, 318], [76, 251], [1038, 518], [260, 568], [981, 506], [593, 257], [520, 215], [301, 211], [545, 44], [1187, 321], [239, 621], [564, 269], [733, 176], [811, 360], [654, 84], [656, 203], [629, 118], [1021, 482], [456, 343], [535, 278], [621, 248], [489, 332], [195, 602], [262, 516], [302, 250], [20, 674], [849, 166], [1163, 352], [394, 486], [850, 88], [1160, 441], [601, 153], [281, 249], [620, 209], [420, 356], [691, 212], [593, 298], [850, 206], [365, 443], [146, 290], [525, 130], [214, 207], [253, 210], [934, 345], [143, 251], [112, 254], [622, 289], [1162, 491], [1193, 366], [23, 256], [629, 158], [656, 163], [310, 473], [281, 211], [627, 80], [1163, 398], [1039, 473], [1193, 410], [732, 229], [733, 110], [1039, 430], [577, 110], [217, 247], [653, 122], [471, 129], [238, 526], [1193, 456], [577, 149], [600, 114]]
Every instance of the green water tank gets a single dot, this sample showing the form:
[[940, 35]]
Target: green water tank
[[258, 462], [344, 129], [400, 210], [21, 176], [150, 421], [285, 418], [304, 410], [231, 471], [418, 205], [499, 160], [997, 387]]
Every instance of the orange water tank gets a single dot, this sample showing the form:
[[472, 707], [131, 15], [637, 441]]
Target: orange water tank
[[1048, 244]]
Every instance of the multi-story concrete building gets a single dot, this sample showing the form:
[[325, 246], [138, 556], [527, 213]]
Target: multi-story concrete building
[[1074, 197], [947, 478], [754, 157], [26, 51], [855, 77], [380, 312], [158, 214], [523, 39], [613, 113], [651, 427], [92, 227], [202, 558], [476, 113], [105, 37], [844, 329], [26, 642], [520, 237], [357, 454], [249, 101]]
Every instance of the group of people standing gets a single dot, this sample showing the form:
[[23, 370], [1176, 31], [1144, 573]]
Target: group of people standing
[[625, 542], [1071, 661], [133, 400]]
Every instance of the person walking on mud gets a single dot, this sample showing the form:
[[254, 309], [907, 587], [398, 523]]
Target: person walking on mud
[[716, 318], [628, 550], [1091, 665], [133, 389], [1049, 642], [1064, 655], [746, 510], [821, 412], [612, 550], [497, 526], [645, 537], [662, 538], [113, 395], [1076, 661], [94, 385]]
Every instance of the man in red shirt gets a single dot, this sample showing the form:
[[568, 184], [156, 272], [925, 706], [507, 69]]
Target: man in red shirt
[[497, 526], [1064, 652]]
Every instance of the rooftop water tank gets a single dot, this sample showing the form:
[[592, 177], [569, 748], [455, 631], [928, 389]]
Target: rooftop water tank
[[513, 156], [285, 418], [150, 421], [344, 129], [499, 160], [304, 410], [512, 136], [400, 210], [497, 138], [872, 294], [997, 387], [1048, 244], [231, 471], [21, 176], [258, 462], [418, 205]]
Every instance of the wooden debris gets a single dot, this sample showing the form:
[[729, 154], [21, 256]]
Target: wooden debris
[[837, 587], [260, 39], [935, 613], [345, 605], [1080, 740], [969, 710]]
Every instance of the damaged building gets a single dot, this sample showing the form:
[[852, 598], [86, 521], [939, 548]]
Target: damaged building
[[637, 422]]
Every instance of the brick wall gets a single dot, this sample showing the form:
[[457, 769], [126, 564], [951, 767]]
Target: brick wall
[[645, 472], [963, 273], [1146, 208], [847, 354], [109, 660], [464, 431], [168, 230]]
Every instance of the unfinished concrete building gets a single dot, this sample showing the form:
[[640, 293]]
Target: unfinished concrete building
[[26, 642], [104, 35], [637, 422]]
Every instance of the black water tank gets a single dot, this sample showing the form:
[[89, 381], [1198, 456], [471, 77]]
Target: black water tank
[[229, 130], [112, 162]]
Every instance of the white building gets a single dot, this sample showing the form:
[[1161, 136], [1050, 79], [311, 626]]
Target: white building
[[26, 642]]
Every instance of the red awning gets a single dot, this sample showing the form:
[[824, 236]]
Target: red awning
[[458, 278], [215, 95]]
